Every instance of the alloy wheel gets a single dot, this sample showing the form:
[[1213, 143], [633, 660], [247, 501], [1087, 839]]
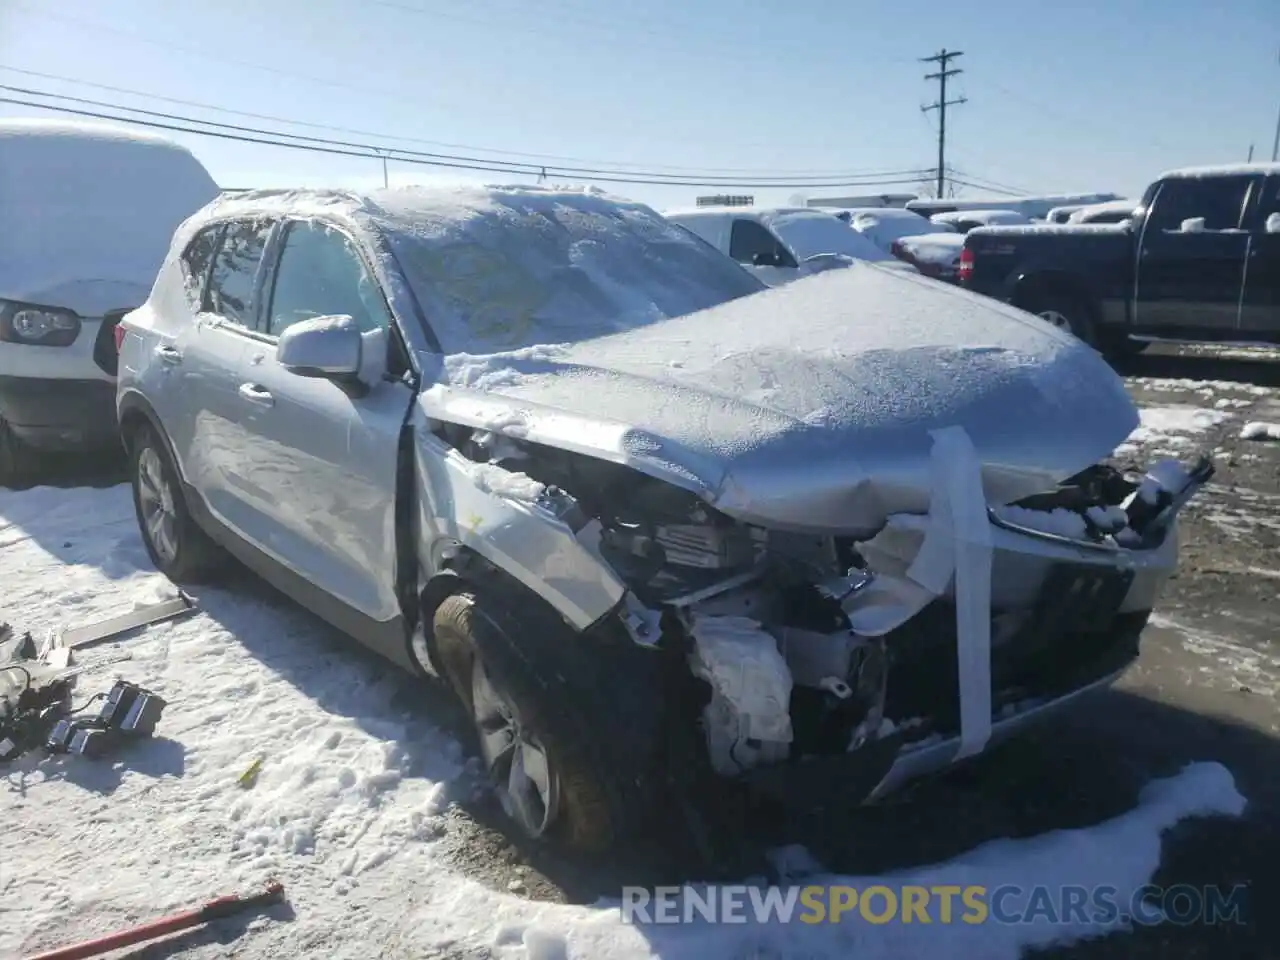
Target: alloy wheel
[[517, 763], [155, 500]]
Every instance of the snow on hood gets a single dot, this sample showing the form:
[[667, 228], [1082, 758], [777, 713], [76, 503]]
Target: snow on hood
[[810, 406], [88, 211], [939, 248]]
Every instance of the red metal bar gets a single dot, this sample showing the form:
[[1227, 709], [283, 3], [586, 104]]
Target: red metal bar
[[213, 910]]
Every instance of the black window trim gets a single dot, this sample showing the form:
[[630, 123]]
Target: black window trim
[[224, 322]]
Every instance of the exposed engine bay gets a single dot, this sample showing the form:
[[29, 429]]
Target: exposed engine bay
[[797, 645]]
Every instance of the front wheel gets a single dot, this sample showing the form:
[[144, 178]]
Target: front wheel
[[176, 544], [543, 763], [14, 465]]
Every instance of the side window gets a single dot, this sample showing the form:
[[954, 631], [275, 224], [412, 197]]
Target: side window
[[1219, 200], [1270, 199], [235, 270], [195, 263], [322, 274], [749, 239]]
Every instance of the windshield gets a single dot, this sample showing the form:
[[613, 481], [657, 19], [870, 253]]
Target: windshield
[[811, 234], [541, 268]]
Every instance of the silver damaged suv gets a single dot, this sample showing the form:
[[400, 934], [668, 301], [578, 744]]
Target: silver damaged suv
[[669, 537]]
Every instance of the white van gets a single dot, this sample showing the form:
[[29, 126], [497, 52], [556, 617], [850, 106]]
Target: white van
[[780, 244], [86, 216]]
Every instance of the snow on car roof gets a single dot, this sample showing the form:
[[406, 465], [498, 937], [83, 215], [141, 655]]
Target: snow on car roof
[[95, 206], [1223, 170], [993, 214], [499, 268], [47, 129]]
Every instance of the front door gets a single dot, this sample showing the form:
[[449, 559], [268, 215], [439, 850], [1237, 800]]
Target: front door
[[1191, 256], [320, 466], [1260, 309]]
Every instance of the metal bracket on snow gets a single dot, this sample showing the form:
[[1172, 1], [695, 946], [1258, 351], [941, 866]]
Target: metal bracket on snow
[[90, 633]]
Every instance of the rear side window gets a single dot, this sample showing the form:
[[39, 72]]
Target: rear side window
[[749, 239], [321, 273], [235, 270], [195, 263], [1219, 200], [1269, 201]]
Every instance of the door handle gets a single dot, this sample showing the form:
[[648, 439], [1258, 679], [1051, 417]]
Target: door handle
[[169, 354], [256, 394]]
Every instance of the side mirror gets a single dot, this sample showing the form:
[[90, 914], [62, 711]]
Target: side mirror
[[1193, 225], [1273, 223], [328, 347]]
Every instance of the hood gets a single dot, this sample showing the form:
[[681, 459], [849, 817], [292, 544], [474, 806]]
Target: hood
[[810, 406]]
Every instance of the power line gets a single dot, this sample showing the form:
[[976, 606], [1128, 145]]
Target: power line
[[594, 164], [275, 138], [742, 171], [942, 58]]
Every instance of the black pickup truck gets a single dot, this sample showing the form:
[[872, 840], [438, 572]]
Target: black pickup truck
[[1199, 260]]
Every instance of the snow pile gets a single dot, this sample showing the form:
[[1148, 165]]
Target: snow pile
[[883, 226], [95, 207], [1171, 426], [501, 482], [1257, 430], [346, 809]]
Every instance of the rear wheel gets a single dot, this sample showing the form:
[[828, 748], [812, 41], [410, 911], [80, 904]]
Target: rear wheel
[[176, 544], [1066, 313]]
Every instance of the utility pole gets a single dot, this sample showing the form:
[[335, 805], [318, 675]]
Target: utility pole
[[942, 58], [1275, 147]]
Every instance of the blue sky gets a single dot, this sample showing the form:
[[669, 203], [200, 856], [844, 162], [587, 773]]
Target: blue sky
[[1077, 95]]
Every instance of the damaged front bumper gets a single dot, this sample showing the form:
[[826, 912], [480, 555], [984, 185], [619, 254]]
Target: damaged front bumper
[[959, 628]]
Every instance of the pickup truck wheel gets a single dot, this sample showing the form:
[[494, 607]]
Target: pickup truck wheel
[[1066, 314], [176, 544], [533, 742]]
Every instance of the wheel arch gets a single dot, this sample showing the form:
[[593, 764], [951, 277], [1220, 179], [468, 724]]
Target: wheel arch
[[1032, 287], [135, 413]]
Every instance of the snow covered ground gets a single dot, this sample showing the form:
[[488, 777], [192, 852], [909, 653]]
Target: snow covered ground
[[355, 778]]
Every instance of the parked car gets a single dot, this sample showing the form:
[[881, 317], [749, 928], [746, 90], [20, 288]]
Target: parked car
[[962, 221], [661, 531], [1198, 260], [1037, 206], [780, 244], [88, 212], [936, 255], [883, 226], [1114, 211]]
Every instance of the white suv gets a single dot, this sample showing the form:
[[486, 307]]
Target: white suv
[[665, 533]]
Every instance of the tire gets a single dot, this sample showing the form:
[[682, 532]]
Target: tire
[[174, 541], [1066, 313], [517, 698], [14, 463]]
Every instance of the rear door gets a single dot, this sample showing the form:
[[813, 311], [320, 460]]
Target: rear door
[[1260, 308], [318, 467], [210, 438], [1190, 280]]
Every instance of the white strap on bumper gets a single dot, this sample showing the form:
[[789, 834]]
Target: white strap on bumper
[[958, 542]]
